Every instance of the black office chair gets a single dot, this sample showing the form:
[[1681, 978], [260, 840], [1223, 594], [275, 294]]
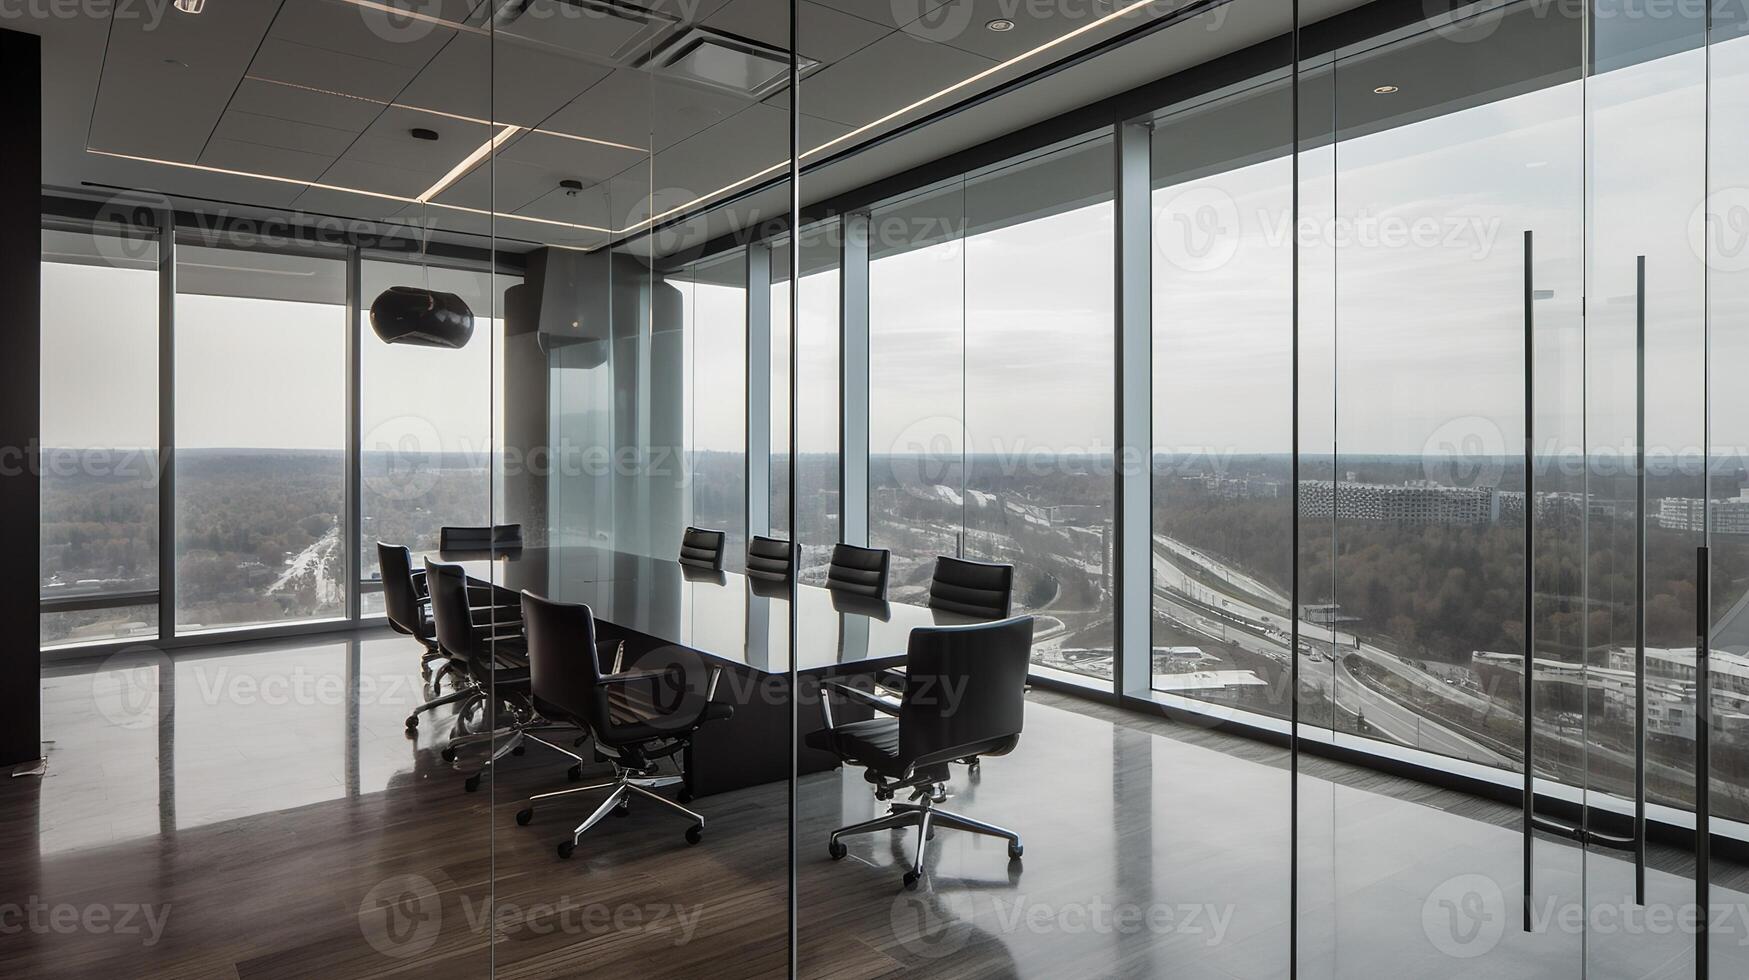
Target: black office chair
[[637, 716], [768, 559], [859, 571], [408, 607], [972, 588], [703, 548], [497, 537], [489, 647], [965, 697]]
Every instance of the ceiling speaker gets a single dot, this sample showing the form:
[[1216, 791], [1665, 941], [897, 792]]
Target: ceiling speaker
[[421, 317]]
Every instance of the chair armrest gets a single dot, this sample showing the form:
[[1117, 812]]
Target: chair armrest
[[875, 701]]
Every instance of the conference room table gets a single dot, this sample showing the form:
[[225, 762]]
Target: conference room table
[[733, 622]]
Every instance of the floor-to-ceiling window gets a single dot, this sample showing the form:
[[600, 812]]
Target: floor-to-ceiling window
[[816, 396], [1221, 553], [260, 437], [713, 297], [428, 419], [99, 456], [991, 432]]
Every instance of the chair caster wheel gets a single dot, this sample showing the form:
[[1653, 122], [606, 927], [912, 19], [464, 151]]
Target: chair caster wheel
[[448, 754], [837, 850], [623, 808], [911, 878], [684, 796], [575, 773], [695, 833], [412, 723], [519, 750], [566, 849], [1015, 850], [473, 783], [524, 815]]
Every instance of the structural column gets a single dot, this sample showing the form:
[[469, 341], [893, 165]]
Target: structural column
[[20, 397], [853, 380], [1133, 552]]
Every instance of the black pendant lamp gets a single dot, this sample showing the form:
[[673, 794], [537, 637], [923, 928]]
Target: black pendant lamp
[[421, 317]]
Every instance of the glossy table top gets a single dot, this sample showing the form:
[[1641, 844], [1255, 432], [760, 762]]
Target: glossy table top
[[724, 615]]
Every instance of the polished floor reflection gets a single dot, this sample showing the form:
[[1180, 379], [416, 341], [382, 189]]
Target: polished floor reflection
[[257, 811]]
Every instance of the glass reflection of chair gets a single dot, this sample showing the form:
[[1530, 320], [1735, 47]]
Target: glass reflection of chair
[[964, 697], [768, 566], [703, 548]]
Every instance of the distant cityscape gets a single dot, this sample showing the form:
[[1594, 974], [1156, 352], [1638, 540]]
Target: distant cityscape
[[1410, 613]]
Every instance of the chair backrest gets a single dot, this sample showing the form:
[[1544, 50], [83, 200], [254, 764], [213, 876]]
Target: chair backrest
[[451, 618], [703, 548], [859, 571], [400, 597], [965, 690], [477, 538], [972, 588], [768, 559], [562, 666]]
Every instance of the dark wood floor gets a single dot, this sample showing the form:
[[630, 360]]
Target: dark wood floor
[[300, 834]]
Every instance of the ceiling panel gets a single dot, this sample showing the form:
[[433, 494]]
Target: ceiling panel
[[261, 159], [523, 84], [284, 133], [631, 107], [504, 184], [891, 13], [887, 75], [964, 24], [585, 30], [359, 31], [265, 98], [288, 61], [568, 158], [164, 85], [823, 34]]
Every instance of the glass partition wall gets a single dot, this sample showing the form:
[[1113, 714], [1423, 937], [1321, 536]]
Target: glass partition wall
[[1375, 393]]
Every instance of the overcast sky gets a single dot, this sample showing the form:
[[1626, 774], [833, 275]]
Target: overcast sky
[[1003, 341]]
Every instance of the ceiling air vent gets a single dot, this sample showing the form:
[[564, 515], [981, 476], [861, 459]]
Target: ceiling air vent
[[725, 62], [609, 31]]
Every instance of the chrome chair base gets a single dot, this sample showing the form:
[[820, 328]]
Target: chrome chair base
[[923, 815], [626, 785]]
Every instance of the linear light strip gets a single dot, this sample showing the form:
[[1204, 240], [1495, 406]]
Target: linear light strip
[[509, 131], [439, 112], [468, 163], [889, 117], [349, 190], [393, 11]]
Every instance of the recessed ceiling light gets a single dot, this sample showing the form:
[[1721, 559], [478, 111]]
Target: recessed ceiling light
[[1001, 25], [1385, 90], [421, 133], [190, 6]]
